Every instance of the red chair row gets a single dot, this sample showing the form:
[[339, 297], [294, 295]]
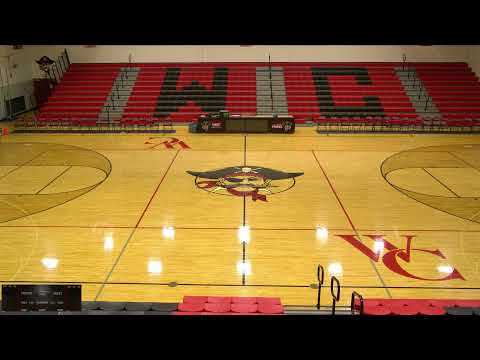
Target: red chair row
[[410, 306], [66, 115], [59, 103], [208, 305], [468, 123], [66, 121], [232, 300], [71, 109], [462, 116]]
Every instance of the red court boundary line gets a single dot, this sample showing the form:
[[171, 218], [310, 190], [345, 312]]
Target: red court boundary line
[[385, 287], [156, 190], [134, 229], [334, 192]]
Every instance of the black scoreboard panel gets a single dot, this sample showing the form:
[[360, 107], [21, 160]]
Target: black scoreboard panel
[[235, 125], [41, 298], [248, 124], [256, 125]]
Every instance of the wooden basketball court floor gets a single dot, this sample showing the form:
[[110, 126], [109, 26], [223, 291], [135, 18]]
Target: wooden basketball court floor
[[391, 216]]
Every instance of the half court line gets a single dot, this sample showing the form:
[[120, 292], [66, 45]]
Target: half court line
[[350, 221], [244, 210]]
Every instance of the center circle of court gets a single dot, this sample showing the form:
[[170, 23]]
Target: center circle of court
[[35, 177], [445, 177]]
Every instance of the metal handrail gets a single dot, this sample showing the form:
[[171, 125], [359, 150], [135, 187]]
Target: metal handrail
[[270, 76], [55, 73], [426, 102], [60, 65], [62, 60], [352, 303], [335, 295], [52, 71], [110, 97], [51, 82], [67, 57], [420, 93], [320, 278], [62, 72]]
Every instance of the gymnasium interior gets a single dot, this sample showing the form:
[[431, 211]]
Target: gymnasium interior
[[240, 179]]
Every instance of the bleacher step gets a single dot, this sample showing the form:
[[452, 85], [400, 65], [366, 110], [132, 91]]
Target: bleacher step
[[114, 106], [416, 91], [271, 94]]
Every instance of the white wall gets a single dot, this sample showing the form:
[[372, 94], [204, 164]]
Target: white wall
[[103, 53], [16, 68], [184, 53], [260, 53], [21, 68], [474, 59]]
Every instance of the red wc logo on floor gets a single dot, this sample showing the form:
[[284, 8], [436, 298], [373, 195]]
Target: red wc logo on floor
[[395, 258], [168, 143]]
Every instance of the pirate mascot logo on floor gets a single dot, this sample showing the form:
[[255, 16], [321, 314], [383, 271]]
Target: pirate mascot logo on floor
[[256, 182]]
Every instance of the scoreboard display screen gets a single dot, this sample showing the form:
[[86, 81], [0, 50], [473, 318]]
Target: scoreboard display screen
[[256, 125], [249, 123], [235, 125], [41, 298]]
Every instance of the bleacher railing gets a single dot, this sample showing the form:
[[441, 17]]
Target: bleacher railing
[[335, 292], [353, 305], [320, 278]]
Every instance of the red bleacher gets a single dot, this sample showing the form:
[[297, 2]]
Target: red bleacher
[[453, 87], [220, 305], [80, 96]]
